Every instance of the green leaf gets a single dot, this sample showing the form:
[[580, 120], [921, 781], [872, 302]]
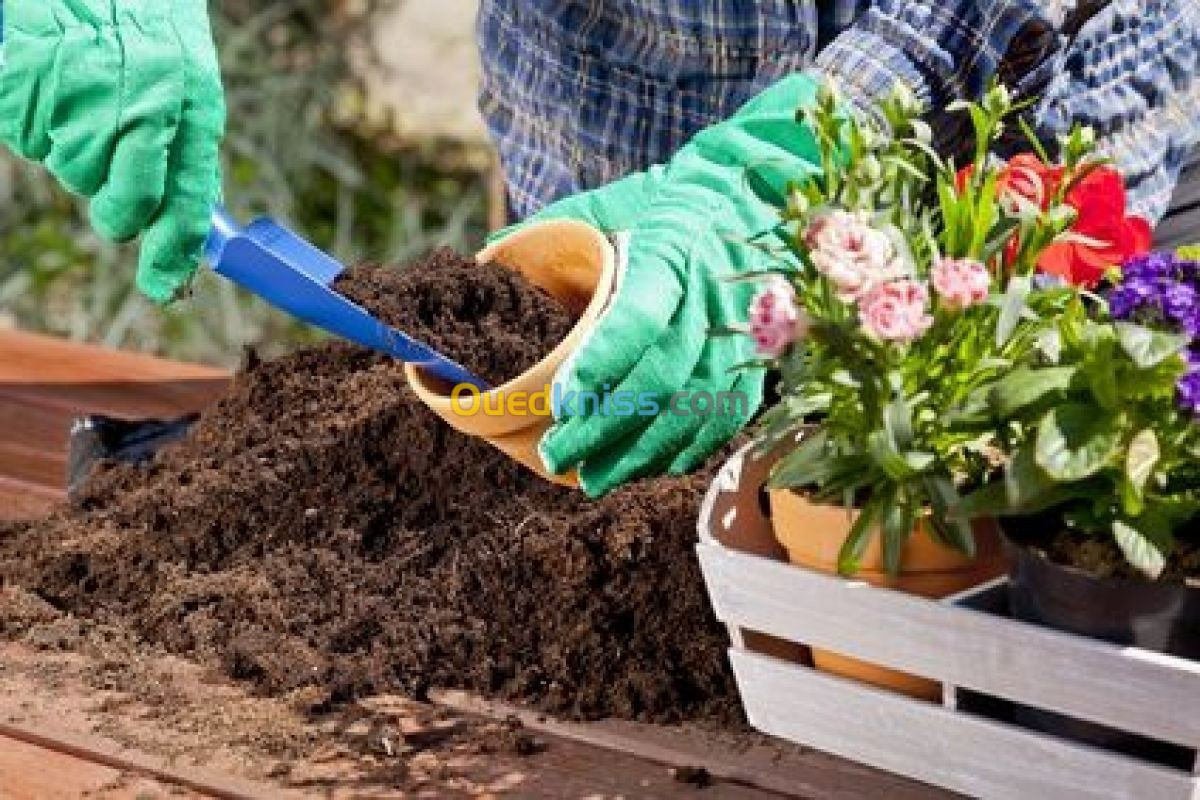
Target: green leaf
[[1032, 138], [808, 464], [986, 215], [760, 276], [1141, 458], [1013, 308], [887, 457], [897, 523], [951, 211], [1049, 342], [1025, 386], [857, 540], [1140, 550], [1131, 500], [1100, 373], [1155, 383], [943, 497], [1024, 489], [1075, 441], [898, 420], [1148, 347]]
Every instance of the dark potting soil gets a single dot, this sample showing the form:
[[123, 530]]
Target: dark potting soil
[[1103, 558], [320, 527], [484, 316]]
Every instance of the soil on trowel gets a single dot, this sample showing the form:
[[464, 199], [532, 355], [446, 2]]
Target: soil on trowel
[[484, 316], [320, 529]]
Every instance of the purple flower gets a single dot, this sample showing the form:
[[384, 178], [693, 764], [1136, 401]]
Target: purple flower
[[1122, 303], [1162, 290], [1134, 294], [1158, 289], [1179, 303], [1188, 390], [1150, 266]]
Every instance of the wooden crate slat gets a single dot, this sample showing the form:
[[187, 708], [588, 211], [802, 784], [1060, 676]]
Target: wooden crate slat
[[938, 745], [1123, 687]]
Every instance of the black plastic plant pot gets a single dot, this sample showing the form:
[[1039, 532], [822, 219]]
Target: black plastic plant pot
[[1162, 617]]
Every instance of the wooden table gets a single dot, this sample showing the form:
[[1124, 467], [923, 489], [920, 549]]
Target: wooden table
[[45, 383]]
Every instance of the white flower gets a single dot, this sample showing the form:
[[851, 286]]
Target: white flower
[[852, 254]]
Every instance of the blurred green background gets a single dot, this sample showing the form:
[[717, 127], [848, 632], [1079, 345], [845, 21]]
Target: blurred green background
[[303, 145]]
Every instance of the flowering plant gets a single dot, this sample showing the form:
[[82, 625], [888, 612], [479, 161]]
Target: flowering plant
[[909, 292], [1100, 429]]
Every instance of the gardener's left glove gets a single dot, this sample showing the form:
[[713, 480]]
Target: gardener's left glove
[[690, 225], [121, 101]]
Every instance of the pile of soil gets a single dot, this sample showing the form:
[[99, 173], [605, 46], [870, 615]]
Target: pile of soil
[[484, 316], [320, 527]]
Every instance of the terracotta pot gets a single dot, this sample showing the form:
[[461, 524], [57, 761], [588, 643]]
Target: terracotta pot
[[574, 263], [812, 534]]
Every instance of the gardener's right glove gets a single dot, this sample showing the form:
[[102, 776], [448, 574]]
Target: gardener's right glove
[[121, 100]]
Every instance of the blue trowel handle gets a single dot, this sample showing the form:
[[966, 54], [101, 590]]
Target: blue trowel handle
[[294, 276]]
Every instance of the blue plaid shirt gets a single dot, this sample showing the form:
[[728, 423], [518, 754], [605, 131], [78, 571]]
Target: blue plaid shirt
[[577, 93]]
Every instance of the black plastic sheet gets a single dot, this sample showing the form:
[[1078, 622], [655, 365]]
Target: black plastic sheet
[[96, 438]]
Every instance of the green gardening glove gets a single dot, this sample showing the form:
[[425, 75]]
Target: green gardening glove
[[121, 100], [689, 226]]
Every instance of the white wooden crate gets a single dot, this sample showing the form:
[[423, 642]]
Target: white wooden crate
[[755, 592]]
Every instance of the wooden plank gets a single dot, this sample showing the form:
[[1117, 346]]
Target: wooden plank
[[93, 752], [28, 772], [64, 379], [33, 442], [29, 358], [130, 399], [780, 768], [968, 754], [1124, 687]]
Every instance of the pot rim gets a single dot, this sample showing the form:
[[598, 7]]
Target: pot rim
[[438, 395]]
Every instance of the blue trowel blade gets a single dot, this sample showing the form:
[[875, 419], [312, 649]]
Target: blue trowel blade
[[291, 274]]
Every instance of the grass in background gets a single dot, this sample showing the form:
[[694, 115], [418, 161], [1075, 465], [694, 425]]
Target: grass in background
[[297, 148]]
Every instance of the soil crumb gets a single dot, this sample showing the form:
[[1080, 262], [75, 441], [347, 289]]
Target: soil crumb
[[514, 739], [484, 316], [320, 533]]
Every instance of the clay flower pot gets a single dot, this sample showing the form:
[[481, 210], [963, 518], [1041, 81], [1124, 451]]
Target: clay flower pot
[[576, 264], [812, 534]]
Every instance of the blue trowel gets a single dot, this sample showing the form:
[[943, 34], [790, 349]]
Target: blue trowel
[[281, 267]]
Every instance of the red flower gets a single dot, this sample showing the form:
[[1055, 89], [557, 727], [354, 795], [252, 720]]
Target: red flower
[[1027, 177], [1099, 201], [1024, 176]]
